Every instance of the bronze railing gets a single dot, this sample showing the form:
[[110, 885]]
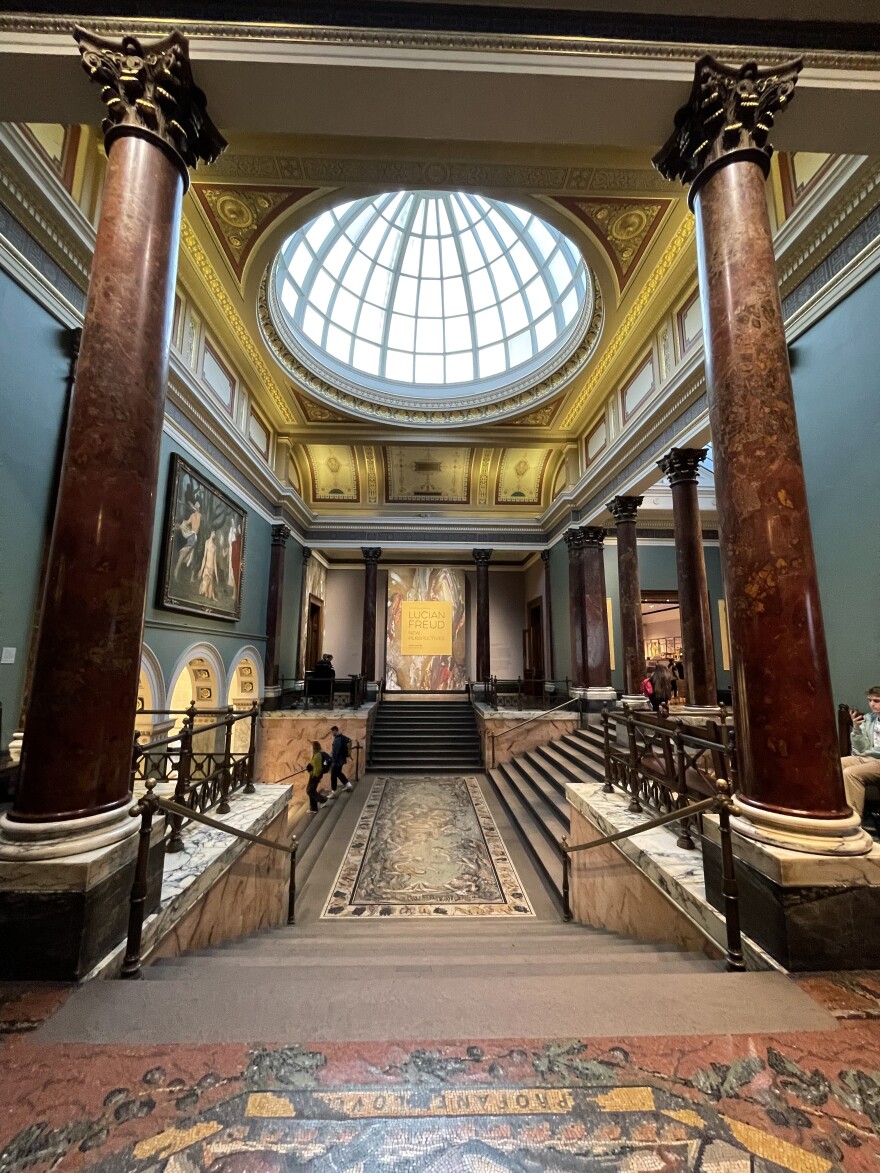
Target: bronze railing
[[720, 803], [663, 763], [147, 807], [200, 761], [323, 692]]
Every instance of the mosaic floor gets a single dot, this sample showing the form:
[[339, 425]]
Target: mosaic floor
[[426, 847], [808, 1103]]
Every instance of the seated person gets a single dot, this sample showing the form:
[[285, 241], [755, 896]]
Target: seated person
[[863, 766]]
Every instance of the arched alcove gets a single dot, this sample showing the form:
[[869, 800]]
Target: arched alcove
[[199, 676], [244, 686], [150, 719]]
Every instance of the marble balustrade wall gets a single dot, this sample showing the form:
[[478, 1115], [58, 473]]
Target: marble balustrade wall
[[284, 743], [541, 731]]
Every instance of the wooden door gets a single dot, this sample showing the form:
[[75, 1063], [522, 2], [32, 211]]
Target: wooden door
[[314, 632]]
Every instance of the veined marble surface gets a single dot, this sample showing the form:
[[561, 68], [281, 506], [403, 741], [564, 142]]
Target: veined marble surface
[[678, 873], [190, 873], [285, 739], [500, 727]]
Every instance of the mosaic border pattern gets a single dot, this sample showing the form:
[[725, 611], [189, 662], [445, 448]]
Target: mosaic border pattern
[[339, 903]]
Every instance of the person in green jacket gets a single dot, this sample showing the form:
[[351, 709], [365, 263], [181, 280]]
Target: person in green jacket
[[863, 766], [315, 768]]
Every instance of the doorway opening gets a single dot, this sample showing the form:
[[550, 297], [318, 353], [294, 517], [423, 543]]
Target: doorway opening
[[533, 665], [661, 622], [314, 632]]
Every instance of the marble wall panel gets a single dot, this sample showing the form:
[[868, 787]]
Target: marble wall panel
[[284, 744], [251, 895], [609, 892], [539, 732]]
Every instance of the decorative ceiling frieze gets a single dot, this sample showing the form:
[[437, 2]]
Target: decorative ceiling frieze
[[415, 473], [520, 478], [339, 170], [623, 227], [240, 215], [317, 413], [542, 417]]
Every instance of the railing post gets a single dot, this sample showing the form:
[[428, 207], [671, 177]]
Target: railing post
[[357, 760], [184, 767], [566, 879], [606, 745], [252, 749], [131, 965], [685, 839], [635, 807], [291, 891], [226, 777], [729, 888]]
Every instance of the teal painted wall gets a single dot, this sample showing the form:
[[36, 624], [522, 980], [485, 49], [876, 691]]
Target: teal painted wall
[[33, 392], [169, 633], [290, 607], [836, 374]]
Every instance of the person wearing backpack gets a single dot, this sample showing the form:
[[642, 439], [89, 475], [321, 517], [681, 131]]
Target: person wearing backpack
[[315, 769], [340, 752]]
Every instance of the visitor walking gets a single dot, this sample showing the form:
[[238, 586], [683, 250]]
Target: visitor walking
[[340, 752], [315, 768]]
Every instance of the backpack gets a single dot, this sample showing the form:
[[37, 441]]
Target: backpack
[[647, 688], [346, 749]]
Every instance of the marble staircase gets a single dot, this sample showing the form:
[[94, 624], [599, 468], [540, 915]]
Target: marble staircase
[[425, 737], [531, 787]]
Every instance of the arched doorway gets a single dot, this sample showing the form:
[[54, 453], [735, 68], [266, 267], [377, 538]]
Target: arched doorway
[[198, 677], [151, 720], [245, 686]]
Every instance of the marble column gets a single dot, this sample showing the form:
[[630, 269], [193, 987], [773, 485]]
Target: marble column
[[625, 510], [274, 616], [76, 756], [682, 467], [303, 613], [549, 657], [597, 653], [481, 558], [575, 542], [790, 787], [371, 554]]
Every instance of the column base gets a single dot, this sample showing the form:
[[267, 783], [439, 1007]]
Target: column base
[[836, 837], [30, 842], [808, 911], [61, 914], [634, 701], [271, 698], [704, 711]]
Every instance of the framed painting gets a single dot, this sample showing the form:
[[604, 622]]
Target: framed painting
[[203, 546]]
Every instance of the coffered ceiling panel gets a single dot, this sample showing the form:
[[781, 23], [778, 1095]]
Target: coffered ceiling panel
[[521, 476], [437, 474]]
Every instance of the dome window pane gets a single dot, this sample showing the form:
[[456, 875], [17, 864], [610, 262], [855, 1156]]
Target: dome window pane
[[401, 296]]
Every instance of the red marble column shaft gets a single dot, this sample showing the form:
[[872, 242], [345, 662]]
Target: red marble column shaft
[[484, 668], [625, 510], [789, 757], [368, 640], [76, 758], [597, 653], [549, 657], [682, 468], [575, 544], [274, 605]]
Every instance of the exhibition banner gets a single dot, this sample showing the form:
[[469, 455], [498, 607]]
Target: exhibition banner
[[425, 635]]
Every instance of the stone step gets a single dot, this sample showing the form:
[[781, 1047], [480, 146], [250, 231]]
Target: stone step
[[546, 856], [558, 768], [545, 790], [467, 967], [230, 1005], [428, 950], [550, 818]]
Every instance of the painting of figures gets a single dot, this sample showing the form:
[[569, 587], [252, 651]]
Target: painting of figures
[[203, 546], [425, 597]]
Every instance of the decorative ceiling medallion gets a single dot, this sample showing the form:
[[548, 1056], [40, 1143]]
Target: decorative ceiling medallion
[[239, 215], [317, 413], [350, 398], [542, 418], [624, 227], [521, 476]]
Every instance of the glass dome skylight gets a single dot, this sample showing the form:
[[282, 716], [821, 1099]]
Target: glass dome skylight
[[423, 296]]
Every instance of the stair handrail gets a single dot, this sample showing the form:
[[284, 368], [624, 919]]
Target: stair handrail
[[146, 808], [721, 803], [493, 737]]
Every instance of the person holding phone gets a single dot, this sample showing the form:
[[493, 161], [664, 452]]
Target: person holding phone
[[863, 765]]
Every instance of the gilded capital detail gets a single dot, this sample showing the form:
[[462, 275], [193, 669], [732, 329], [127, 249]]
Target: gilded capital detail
[[574, 539], [481, 557], [682, 464], [731, 109], [592, 536], [280, 534], [371, 553], [148, 89], [624, 508]]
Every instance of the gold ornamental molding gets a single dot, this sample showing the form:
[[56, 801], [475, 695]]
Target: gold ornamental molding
[[239, 215], [200, 259], [398, 39], [623, 227], [676, 247]]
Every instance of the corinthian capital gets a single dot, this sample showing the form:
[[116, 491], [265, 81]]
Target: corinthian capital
[[682, 464], [149, 90], [731, 108]]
